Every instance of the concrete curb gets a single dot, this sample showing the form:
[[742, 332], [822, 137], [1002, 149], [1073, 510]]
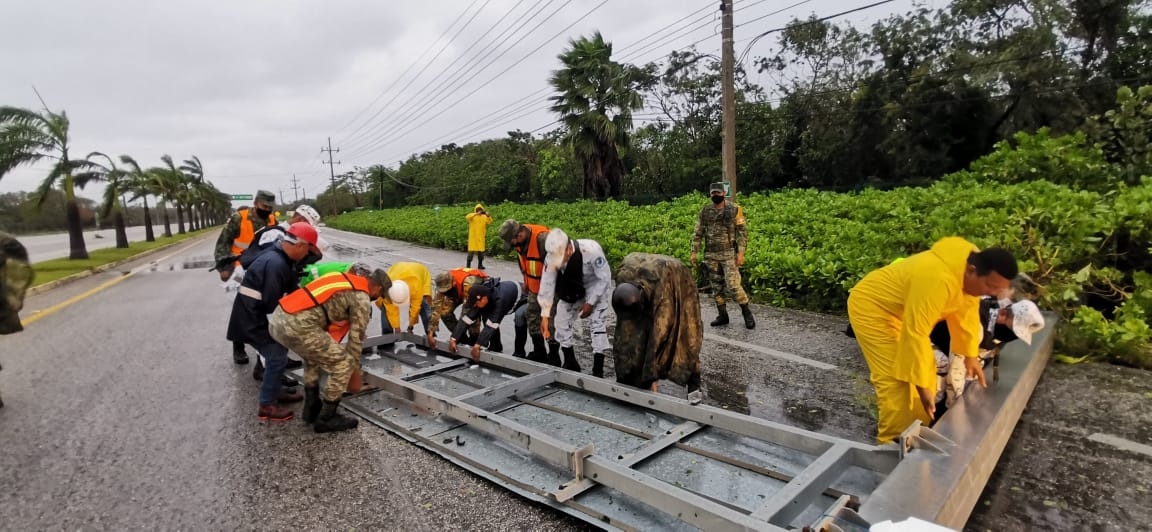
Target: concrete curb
[[39, 289]]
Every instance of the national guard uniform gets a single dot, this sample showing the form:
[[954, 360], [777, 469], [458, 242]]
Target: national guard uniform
[[235, 237], [576, 274], [312, 321], [15, 277], [725, 231], [659, 331]]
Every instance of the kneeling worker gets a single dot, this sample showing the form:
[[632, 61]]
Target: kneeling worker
[[310, 322], [451, 290], [488, 303], [659, 331]]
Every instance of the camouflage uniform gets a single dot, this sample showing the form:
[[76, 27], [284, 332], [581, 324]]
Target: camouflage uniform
[[306, 334], [661, 337], [725, 232], [15, 277], [444, 304], [231, 230]]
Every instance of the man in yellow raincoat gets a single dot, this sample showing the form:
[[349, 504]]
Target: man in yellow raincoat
[[412, 286], [478, 221], [893, 310]]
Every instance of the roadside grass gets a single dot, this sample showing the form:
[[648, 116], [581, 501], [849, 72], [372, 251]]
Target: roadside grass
[[51, 270]]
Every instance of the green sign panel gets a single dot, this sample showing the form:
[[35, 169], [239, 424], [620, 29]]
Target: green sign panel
[[727, 188], [238, 197]]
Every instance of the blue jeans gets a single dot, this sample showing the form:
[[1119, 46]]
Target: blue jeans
[[275, 358], [425, 317]]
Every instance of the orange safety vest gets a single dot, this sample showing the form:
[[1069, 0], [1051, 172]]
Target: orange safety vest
[[532, 262], [458, 276], [247, 231], [321, 290]]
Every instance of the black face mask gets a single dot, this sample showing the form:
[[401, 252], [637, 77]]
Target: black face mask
[[263, 213], [717, 199]]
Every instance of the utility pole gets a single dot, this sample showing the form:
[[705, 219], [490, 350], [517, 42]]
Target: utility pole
[[282, 197], [728, 80], [331, 165], [296, 187]]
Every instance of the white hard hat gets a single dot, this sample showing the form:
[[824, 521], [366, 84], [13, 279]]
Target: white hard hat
[[399, 293], [309, 214]]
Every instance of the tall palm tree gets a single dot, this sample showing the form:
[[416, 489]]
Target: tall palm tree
[[194, 170], [140, 185], [28, 137], [595, 103], [179, 192], [116, 182]]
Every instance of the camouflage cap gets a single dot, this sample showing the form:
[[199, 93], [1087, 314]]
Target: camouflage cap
[[443, 282], [266, 198], [508, 230], [381, 278], [716, 187]]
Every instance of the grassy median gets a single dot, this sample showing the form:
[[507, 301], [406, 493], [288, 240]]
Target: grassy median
[[51, 270]]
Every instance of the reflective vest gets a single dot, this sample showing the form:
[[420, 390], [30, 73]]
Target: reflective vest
[[247, 231], [321, 290], [532, 262], [458, 276]]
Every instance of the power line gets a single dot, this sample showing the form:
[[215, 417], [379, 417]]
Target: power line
[[807, 23]]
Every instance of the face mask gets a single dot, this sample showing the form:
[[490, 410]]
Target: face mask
[[717, 199], [263, 213]]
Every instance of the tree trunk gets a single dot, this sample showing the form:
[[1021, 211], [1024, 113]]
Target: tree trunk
[[149, 235], [121, 231], [78, 251], [180, 217], [167, 223]]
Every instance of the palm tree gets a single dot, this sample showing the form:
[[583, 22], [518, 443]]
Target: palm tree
[[194, 170], [179, 194], [140, 185], [116, 182], [595, 103], [165, 186], [28, 137]]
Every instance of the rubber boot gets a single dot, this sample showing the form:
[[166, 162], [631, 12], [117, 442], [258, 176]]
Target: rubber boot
[[238, 355], [468, 264], [311, 404], [722, 317], [480, 260], [539, 349], [518, 343], [553, 354], [329, 420], [598, 365], [749, 319], [495, 344], [570, 362]]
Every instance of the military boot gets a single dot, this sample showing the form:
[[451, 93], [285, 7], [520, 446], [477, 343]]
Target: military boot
[[311, 404], [570, 362], [496, 344], [749, 319], [238, 355], [480, 260], [722, 317], [598, 365], [518, 343], [329, 420], [553, 354], [539, 349]]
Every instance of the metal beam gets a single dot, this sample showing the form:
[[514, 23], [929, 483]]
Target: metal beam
[[645, 451], [423, 372], [493, 395], [786, 504]]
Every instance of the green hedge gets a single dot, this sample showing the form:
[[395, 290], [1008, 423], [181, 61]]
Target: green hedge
[[808, 248]]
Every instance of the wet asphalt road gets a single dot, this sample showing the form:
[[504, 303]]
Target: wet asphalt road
[[125, 411]]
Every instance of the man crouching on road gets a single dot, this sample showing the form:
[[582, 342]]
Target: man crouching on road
[[311, 322], [488, 303], [271, 276]]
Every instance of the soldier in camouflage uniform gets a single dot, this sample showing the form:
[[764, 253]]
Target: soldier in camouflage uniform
[[659, 331], [448, 297], [723, 228], [236, 237], [311, 322], [15, 277]]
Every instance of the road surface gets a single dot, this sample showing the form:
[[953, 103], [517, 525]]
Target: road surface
[[125, 411], [56, 246]]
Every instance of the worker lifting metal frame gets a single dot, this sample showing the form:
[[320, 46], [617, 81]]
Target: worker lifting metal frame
[[935, 474]]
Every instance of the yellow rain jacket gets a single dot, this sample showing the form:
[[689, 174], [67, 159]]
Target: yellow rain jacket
[[419, 281], [477, 229], [893, 310]]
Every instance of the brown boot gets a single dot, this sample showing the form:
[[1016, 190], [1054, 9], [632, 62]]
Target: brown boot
[[274, 412], [289, 396]]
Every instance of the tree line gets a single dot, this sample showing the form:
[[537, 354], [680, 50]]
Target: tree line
[[913, 97], [29, 137]]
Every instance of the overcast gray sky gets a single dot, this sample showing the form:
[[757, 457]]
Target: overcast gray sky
[[255, 87]]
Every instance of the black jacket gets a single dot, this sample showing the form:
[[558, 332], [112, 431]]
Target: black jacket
[[502, 302], [272, 275]]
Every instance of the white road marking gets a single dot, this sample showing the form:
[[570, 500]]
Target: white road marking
[[770, 352], [1121, 443]]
